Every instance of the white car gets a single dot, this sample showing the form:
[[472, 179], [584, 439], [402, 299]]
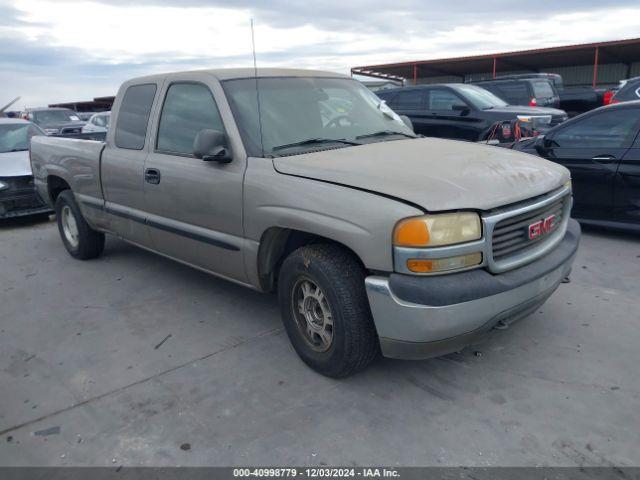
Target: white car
[[18, 196], [99, 122]]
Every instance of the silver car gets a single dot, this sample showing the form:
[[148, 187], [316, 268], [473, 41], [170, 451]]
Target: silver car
[[18, 195], [98, 123]]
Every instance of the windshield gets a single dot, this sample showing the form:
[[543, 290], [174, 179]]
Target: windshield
[[299, 113], [15, 137], [55, 116], [481, 98]]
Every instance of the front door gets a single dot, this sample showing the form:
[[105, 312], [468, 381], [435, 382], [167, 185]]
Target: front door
[[591, 148], [449, 115], [194, 206]]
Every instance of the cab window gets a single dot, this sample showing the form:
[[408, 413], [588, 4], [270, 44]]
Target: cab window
[[188, 108], [131, 127]]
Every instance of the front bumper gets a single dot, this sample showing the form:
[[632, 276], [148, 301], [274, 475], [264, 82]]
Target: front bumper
[[20, 198], [423, 317]]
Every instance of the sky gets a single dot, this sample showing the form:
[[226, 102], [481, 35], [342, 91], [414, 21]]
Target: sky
[[72, 50]]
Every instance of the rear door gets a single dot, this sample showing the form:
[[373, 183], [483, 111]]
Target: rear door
[[194, 206], [627, 184], [591, 148], [122, 166]]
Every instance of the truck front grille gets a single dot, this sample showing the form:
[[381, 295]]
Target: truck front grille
[[511, 235], [521, 233]]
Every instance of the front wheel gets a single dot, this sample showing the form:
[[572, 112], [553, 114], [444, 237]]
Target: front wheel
[[325, 310], [80, 240]]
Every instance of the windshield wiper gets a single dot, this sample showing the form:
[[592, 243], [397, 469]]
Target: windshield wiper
[[384, 133], [314, 141]]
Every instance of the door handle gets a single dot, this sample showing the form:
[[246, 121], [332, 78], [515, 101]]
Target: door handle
[[604, 158], [152, 175]]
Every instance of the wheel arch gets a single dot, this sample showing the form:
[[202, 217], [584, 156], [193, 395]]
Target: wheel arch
[[55, 186], [277, 243]]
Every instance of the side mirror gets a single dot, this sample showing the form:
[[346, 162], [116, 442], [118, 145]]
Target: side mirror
[[463, 109], [407, 121], [211, 146], [540, 144]]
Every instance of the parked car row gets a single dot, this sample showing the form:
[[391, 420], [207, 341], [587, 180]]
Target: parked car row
[[64, 121]]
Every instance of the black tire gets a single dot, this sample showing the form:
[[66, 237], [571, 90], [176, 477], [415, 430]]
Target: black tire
[[340, 278], [90, 243]]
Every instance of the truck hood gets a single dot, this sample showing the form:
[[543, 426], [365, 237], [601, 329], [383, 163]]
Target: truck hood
[[15, 164], [433, 173]]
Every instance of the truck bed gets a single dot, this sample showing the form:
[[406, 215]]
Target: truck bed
[[74, 161]]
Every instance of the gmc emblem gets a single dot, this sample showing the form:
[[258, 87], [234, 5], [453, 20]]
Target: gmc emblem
[[542, 227]]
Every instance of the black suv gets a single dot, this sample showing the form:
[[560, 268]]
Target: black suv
[[601, 148], [536, 91], [459, 111]]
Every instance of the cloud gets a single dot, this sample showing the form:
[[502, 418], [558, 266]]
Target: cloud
[[73, 50]]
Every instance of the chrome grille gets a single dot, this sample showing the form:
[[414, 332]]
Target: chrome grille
[[507, 230], [512, 234]]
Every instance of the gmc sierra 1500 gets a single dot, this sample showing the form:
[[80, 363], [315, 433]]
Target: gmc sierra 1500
[[305, 183]]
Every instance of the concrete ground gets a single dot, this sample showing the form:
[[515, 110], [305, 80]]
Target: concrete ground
[[132, 359]]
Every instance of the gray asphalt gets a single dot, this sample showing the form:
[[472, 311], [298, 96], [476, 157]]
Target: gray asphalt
[[132, 359]]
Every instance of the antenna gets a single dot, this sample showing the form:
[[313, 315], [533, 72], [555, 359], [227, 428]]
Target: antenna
[[255, 74]]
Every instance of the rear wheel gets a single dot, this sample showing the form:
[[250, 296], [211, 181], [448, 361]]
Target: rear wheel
[[80, 240], [325, 310]]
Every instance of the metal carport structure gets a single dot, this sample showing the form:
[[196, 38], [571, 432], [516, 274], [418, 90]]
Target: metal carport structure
[[594, 64]]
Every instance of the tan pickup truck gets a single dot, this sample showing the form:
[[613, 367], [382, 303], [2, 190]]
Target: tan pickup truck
[[305, 183]]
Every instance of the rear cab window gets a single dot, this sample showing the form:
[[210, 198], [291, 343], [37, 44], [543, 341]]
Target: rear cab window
[[133, 117], [514, 93], [542, 89]]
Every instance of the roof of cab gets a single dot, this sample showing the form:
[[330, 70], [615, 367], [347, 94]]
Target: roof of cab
[[236, 73]]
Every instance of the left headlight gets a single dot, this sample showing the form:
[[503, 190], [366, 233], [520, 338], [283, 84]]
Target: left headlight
[[437, 230], [3, 185]]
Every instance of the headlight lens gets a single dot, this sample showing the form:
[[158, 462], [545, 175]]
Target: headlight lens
[[437, 230], [3, 186]]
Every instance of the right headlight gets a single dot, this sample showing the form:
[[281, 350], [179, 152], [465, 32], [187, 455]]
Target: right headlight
[[414, 240], [437, 230], [3, 185]]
